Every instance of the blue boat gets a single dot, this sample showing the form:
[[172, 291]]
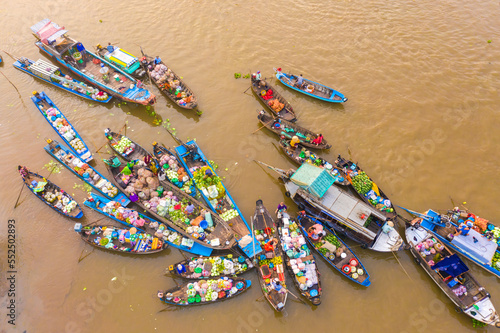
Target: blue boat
[[71, 54], [474, 246], [192, 159], [88, 174], [98, 203], [349, 264], [51, 194], [61, 125], [52, 74], [311, 88]]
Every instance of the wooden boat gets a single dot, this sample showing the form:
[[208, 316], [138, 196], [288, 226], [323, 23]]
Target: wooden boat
[[334, 250], [311, 88], [151, 227], [299, 260], [51, 194], [171, 171], [52, 74], [270, 266], [287, 129], [370, 193], [301, 155], [268, 95], [215, 233], [129, 150], [186, 294], [451, 275], [53, 41], [171, 84], [479, 245], [80, 168], [127, 62], [61, 125], [218, 199], [210, 267], [313, 190], [123, 240]]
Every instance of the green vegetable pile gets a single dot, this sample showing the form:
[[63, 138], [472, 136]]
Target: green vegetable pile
[[333, 240], [362, 183], [495, 262], [204, 181]]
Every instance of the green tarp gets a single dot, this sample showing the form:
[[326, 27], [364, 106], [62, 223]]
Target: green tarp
[[315, 179]]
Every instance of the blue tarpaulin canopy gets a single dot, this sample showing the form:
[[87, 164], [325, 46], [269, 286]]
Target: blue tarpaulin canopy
[[451, 265], [315, 179]]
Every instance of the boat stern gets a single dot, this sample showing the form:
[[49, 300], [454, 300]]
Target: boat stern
[[485, 312], [366, 282], [388, 240]]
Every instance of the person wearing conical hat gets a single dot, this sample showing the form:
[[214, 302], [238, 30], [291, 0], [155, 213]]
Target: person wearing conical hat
[[295, 141]]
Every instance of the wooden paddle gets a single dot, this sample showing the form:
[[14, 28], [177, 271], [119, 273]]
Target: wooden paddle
[[264, 125], [15, 206]]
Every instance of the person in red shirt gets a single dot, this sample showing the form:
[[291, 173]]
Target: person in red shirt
[[318, 140]]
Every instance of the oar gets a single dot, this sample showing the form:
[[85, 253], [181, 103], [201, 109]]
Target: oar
[[264, 125], [80, 259], [10, 55], [15, 206], [288, 291], [20, 97], [402, 266]]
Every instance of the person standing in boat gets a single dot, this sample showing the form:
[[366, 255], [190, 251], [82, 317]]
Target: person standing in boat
[[157, 60], [281, 208], [258, 77], [300, 81], [110, 48], [80, 48]]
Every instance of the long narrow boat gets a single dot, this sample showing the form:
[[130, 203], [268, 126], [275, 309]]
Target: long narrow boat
[[311, 88], [61, 125], [171, 84], [170, 206], [51, 194], [117, 212], [450, 274], [313, 190], [366, 187], [216, 195], [204, 291], [170, 170], [274, 102], [270, 266], [52, 74], [334, 250], [211, 267], [122, 240], [300, 262], [53, 41], [301, 155], [480, 245], [288, 130], [85, 172]]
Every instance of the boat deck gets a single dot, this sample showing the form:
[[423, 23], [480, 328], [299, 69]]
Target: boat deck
[[90, 68]]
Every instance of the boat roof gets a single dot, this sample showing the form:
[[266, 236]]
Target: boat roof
[[121, 57], [317, 180], [51, 34], [452, 265]]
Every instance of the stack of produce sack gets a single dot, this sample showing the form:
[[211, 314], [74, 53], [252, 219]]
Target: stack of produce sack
[[162, 74], [207, 290], [216, 266], [175, 174], [61, 201], [110, 238], [276, 105]]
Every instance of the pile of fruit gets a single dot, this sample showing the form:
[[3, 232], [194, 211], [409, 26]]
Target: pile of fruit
[[362, 183], [122, 145], [333, 240], [275, 261], [203, 182], [495, 262], [78, 145], [229, 214]]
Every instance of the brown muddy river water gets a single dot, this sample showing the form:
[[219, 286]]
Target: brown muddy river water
[[422, 119]]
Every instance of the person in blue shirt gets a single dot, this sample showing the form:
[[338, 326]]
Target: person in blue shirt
[[463, 230], [300, 80], [110, 48], [157, 60]]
